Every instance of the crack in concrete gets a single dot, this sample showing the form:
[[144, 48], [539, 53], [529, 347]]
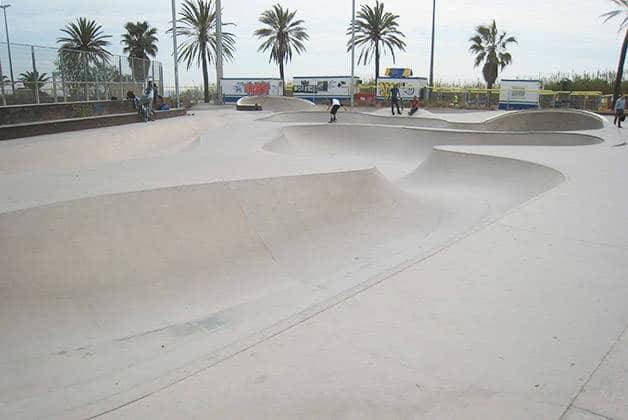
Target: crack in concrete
[[597, 367]]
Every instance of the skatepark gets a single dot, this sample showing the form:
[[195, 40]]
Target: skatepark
[[269, 264]]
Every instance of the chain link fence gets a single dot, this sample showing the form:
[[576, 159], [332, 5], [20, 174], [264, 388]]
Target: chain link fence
[[31, 74]]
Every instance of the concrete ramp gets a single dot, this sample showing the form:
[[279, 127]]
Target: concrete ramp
[[520, 121], [356, 118], [277, 103], [93, 289], [545, 120], [148, 281], [502, 182], [405, 147]]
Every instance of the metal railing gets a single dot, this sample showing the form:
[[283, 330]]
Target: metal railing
[[52, 75]]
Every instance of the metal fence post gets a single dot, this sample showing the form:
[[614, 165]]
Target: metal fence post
[[61, 65], [4, 99], [120, 76], [35, 74], [54, 87], [133, 73], [96, 90], [161, 79], [85, 82]]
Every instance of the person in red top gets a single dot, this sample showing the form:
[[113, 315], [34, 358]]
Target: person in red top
[[414, 105]]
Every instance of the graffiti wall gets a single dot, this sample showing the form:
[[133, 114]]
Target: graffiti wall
[[234, 89], [408, 87], [322, 87]]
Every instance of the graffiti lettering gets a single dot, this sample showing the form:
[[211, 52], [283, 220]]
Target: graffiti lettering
[[257, 88]]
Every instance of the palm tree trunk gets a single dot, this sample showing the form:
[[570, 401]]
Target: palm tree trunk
[[281, 76], [205, 76], [376, 61], [620, 69]]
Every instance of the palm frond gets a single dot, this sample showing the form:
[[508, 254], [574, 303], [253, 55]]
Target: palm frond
[[196, 26], [376, 33], [490, 46], [282, 34]]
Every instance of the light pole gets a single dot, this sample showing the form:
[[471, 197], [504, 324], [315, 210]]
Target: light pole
[[352, 52], [432, 52], [6, 28], [175, 53], [218, 52]]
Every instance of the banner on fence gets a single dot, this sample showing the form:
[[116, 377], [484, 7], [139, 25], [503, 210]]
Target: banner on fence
[[408, 86], [519, 94], [236, 88], [322, 87]]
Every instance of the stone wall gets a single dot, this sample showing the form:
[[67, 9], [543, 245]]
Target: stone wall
[[20, 114]]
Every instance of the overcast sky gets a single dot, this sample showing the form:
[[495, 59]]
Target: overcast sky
[[566, 36]]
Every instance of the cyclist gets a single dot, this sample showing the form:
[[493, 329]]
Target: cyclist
[[147, 99]]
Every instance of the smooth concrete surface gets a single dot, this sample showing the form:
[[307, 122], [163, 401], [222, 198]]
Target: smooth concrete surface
[[238, 265]]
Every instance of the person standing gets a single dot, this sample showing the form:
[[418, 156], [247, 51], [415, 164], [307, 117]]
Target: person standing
[[620, 109], [395, 95]]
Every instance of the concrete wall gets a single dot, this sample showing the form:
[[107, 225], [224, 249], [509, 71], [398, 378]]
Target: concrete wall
[[8, 132], [19, 114]]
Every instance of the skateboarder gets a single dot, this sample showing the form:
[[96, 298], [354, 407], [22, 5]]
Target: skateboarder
[[335, 106]]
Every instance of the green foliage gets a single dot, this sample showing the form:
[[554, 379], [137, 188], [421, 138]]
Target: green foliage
[[33, 80], [600, 81], [87, 37], [197, 27], [491, 48], [140, 41], [376, 32], [282, 34]]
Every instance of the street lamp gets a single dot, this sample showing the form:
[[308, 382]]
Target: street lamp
[[218, 52], [6, 27], [175, 54], [432, 52], [352, 52]]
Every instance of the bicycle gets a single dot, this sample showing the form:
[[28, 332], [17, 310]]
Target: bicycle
[[144, 111]]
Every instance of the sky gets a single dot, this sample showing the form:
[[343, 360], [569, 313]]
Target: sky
[[554, 35]]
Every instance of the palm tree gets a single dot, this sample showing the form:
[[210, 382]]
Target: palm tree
[[282, 35], [376, 31], [33, 80], [140, 41], [197, 26], [84, 44], [623, 10], [491, 47], [87, 37]]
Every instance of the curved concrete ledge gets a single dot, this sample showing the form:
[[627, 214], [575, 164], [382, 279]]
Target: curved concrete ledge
[[520, 121], [545, 120], [275, 103], [403, 144]]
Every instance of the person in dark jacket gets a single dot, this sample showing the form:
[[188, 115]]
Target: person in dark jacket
[[395, 96]]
